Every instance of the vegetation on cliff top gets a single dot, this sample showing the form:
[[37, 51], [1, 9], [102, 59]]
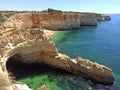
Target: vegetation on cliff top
[[6, 14], [60, 11], [9, 13], [52, 10]]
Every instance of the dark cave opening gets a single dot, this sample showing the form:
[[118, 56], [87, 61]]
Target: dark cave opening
[[35, 75], [21, 70]]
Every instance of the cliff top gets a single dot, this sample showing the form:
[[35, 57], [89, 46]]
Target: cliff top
[[6, 14]]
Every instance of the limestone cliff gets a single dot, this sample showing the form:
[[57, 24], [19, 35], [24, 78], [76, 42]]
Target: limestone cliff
[[88, 20], [54, 21], [35, 46]]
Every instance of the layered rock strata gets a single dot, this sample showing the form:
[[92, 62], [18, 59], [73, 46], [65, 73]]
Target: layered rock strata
[[35, 46], [88, 20], [54, 21]]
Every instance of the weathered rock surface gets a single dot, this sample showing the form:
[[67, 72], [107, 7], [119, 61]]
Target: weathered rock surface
[[20, 87], [34, 46], [54, 21], [101, 17], [19, 21]]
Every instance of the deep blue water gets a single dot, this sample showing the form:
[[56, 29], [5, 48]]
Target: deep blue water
[[100, 44]]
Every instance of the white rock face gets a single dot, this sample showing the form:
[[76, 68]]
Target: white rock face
[[22, 20], [1, 69], [20, 87]]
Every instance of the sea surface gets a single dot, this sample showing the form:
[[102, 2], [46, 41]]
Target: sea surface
[[100, 44]]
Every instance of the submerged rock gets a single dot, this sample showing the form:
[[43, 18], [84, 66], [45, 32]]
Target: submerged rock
[[44, 87]]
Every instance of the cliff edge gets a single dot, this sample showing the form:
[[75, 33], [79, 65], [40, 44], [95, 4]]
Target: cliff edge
[[53, 21]]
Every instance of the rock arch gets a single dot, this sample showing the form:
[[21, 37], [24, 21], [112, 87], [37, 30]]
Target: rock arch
[[34, 46], [29, 44]]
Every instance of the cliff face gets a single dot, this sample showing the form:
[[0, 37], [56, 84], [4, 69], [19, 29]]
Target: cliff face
[[101, 17], [54, 21], [88, 20]]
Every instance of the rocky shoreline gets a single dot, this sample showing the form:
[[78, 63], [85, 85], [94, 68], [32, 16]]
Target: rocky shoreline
[[24, 38]]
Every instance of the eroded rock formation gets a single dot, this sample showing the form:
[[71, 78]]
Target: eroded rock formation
[[52, 21], [101, 17], [34, 46]]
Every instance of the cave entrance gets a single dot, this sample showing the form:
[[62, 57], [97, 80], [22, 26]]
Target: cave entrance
[[22, 70], [36, 75]]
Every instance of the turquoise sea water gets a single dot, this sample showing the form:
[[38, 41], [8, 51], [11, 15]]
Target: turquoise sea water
[[100, 44]]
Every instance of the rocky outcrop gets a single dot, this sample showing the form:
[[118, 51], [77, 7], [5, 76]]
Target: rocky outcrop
[[20, 87], [81, 66], [54, 21], [35, 46], [44, 87], [107, 18], [26, 45], [101, 17]]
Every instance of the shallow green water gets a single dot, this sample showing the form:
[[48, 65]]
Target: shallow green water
[[100, 44]]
